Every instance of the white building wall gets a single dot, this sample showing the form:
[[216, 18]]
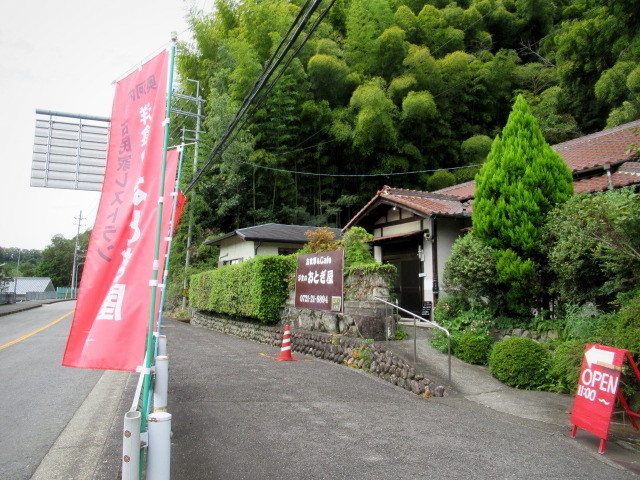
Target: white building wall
[[272, 248], [427, 280], [235, 249], [448, 232]]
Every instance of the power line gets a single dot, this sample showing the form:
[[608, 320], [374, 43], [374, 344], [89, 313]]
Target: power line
[[232, 131], [259, 85], [358, 175]]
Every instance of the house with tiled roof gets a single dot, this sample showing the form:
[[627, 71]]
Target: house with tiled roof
[[415, 230], [268, 239]]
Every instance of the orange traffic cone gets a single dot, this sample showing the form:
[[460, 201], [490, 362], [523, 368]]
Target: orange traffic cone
[[285, 350]]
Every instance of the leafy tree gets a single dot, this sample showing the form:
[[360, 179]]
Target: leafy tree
[[29, 260], [57, 261], [366, 20], [522, 180], [320, 240], [555, 126], [423, 68], [5, 278], [408, 22], [593, 243], [374, 125], [399, 87], [328, 76], [419, 112], [440, 37], [392, 50], [475, 149], [440, 179]]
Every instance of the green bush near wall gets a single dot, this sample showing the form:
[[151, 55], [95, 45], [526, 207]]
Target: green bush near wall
[[255, 289]]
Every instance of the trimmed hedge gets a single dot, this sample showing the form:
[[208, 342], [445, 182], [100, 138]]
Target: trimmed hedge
[[519, 362], [473, 348], [255, 289]]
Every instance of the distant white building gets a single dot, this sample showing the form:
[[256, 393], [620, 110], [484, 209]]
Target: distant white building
[[23, 285]]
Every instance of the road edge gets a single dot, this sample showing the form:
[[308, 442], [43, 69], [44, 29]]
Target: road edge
[[78, 450]]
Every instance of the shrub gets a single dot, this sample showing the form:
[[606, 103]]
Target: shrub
[[473, 348], [439, 340], [363, 352], [357, 247], [565, 365], [627, 326], [583, 322], [502, 321], [470, 270], [401, 334], [519, 362], [449, 308], [255, 289], [458, 316]]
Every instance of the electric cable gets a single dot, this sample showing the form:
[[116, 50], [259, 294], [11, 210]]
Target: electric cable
[[220, 145]]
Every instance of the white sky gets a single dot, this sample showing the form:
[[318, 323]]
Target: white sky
[[64, 56]]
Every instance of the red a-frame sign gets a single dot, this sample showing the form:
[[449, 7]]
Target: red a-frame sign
[[598, 387]]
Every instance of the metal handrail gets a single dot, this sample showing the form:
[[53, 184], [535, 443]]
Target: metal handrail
[[433, 324]]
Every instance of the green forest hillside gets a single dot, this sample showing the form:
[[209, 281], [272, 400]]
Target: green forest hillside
[[392, 86]]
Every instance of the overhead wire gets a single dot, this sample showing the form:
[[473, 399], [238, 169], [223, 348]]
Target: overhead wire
[[220, 147], [233, 131]]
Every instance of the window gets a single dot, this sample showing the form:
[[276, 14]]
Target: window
[[287, 251], [232, 262]]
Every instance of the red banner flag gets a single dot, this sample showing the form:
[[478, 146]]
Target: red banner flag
[[182, 200], [110, 323]]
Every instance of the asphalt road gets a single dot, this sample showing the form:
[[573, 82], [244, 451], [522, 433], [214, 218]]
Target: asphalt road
[[38, 396], [239, 415]]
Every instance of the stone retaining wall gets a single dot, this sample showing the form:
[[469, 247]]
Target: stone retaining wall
[[345, 350], [503, 333], [362, 316]]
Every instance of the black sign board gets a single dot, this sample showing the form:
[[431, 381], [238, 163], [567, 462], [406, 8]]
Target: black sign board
[[427, 306]]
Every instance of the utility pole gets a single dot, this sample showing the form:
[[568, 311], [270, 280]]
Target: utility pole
[[15, 283], [74, 271], [195, 170]]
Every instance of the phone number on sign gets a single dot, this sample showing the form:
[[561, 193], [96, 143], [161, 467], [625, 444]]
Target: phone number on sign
[[314, 298]]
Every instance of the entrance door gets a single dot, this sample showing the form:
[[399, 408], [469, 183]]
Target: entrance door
[[408, 284]]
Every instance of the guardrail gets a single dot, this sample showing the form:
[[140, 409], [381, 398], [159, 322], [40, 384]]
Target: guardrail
[[417, 318]]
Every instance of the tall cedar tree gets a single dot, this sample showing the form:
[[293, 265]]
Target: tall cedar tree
[[522, 180]]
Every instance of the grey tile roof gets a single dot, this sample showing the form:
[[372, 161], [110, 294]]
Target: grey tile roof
[[272, 232], [30, 284]]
